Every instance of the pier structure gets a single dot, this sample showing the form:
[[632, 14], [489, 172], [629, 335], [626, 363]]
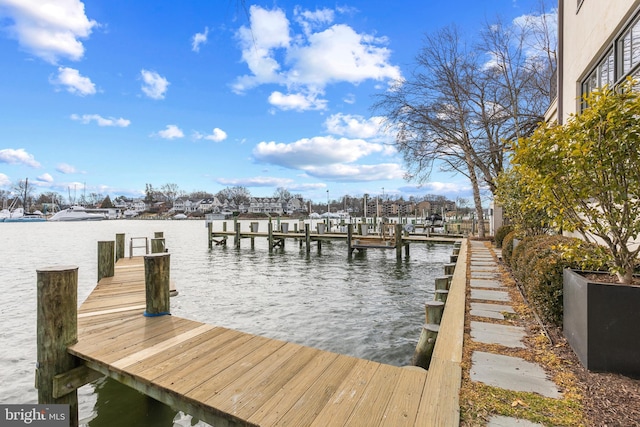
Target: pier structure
[[125, 330], [390, 236]]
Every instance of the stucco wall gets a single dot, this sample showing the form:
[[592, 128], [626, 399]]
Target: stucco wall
[[587, 33]]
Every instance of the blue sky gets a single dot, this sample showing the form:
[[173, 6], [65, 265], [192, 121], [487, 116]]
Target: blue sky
[[114, 94]]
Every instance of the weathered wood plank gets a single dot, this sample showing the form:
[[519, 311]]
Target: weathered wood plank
[[283, 399], [341, 405], [188, 377], [402, 409], [257, 392], [371, 407], [187, 354], [238, 368], [313, 396], [160, 347]]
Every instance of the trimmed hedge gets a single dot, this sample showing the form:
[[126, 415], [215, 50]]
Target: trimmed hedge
[[501, 233], [507, 247], [537, 264]]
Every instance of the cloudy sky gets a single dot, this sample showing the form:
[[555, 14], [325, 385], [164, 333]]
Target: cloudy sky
[[114, 94]]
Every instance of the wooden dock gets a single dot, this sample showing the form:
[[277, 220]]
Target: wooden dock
[[227, 377], [390, 236]]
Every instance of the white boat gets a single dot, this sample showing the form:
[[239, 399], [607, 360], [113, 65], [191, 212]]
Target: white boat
[[18, 215], [77, 213]]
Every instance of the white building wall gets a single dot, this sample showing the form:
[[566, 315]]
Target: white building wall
[[587, 33]]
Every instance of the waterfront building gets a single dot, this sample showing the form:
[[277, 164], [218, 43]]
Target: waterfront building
[[598, 45]]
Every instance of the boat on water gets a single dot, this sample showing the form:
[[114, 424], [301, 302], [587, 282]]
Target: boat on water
[[18, 215], [77, 213]]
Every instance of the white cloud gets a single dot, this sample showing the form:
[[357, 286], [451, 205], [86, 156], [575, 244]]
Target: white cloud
[[350, 98], [19, 156], [101, 121], [45, 177], [48, 29], [306, 63], [4, 180], [65, 168], [73, 82], [357, 173], [297, 101], [319, 150], [153, 84], [218, 135], [339, 54], [354, 126], [198, 39], [170, 132], [309, 20]]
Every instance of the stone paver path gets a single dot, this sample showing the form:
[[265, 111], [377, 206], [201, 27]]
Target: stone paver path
[[489, 303]]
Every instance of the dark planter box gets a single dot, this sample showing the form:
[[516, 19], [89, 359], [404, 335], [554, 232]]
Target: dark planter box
[[602, 324]]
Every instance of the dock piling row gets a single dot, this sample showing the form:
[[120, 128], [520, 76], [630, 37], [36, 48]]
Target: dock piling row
[[433, 316]]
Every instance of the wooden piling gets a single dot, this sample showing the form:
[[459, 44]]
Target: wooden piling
[[236, 239], [449, 269], [426, 343], [119, 246], [157, 245], [349, 237], [270, 235], [156, 279], [397, 234], [106, 259], [433, 312], [442, 283], [307, 237], [441, 295], [57, 329], [209, 233]]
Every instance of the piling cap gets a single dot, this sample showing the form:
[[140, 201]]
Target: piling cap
[[57, 268]]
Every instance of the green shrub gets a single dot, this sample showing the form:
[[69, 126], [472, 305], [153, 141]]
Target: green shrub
[[507, 247], [538, 263], [501, 233]]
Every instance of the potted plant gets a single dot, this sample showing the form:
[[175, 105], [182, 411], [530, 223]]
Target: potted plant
[[586, 175]]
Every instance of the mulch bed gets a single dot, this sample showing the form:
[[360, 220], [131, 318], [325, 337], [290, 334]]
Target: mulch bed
[[609, 399]]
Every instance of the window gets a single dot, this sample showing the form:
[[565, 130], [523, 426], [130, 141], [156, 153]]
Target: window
[[603, 74], [629, 47], [620, 61]]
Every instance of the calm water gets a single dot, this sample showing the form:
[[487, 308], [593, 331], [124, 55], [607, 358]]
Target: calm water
[[370, 306]]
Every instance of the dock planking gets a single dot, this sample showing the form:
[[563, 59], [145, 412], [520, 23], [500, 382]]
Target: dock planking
[[225, 376]]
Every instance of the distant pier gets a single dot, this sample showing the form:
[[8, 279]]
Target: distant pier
[[357, 236]]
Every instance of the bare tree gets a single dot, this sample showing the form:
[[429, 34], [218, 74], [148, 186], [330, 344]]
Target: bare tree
[[238, 195], [463, 105], [171, 192], [282, 193], [24, 192], [434, 112]]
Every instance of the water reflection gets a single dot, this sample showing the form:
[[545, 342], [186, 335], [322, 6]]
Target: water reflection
[[119, 405]]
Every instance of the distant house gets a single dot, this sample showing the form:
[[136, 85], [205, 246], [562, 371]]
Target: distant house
[[138, 205], [185, 205], [275, 205]]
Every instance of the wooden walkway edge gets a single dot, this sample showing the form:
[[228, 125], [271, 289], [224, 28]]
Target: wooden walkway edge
[[227, 377]]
